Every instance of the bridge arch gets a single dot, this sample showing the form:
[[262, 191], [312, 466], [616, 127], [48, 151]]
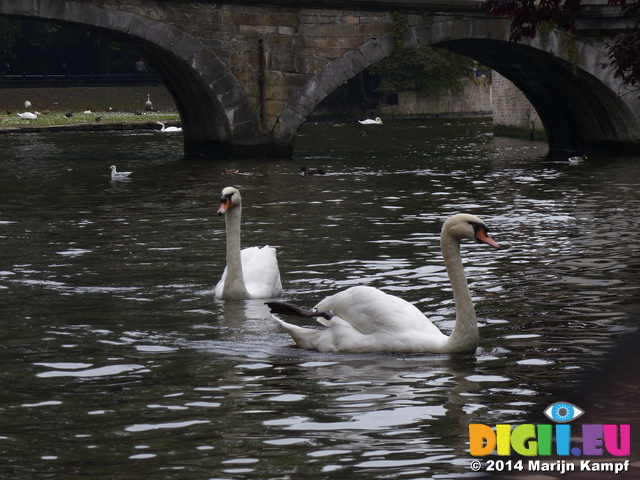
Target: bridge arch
[[215, 115], [583, 108]]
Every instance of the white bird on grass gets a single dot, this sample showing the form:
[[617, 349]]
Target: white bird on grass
[[168, 129], [115, 175], [28, 115], [368, 121], [148, 105], [365, 319], [251, 272], [27, 104]]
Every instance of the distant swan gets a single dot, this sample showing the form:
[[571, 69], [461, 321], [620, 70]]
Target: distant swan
[[252, 272], [578, 160], [168, 129], [365, 319], [368, 121], [115, 175], [28, 115], [148, 105]]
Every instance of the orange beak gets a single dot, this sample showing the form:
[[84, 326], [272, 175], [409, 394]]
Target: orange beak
[[225, 202], [483, 237]]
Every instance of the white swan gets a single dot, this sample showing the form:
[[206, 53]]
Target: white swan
[[578, 160], [115, 175], [168, 129], [148, 106], [28, 115], [364, 319], [368, 121], [252, 272]]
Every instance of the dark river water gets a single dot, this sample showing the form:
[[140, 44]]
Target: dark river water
[[117, 361]]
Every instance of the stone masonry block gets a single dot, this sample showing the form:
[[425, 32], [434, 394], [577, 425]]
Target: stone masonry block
[[171, 40], [10, 7], [209, 65], [282, 30], [341, 70], [187, 48], [309, 64], [317, 19], [326, 79], [259, 29], [152, 31], [121, 22], [314, 91], [376, 49], [25, 7], [384, 18], [74, 11], [356, 60], [230, 99], [410, 39], [305, 106], [242, 115], [343, 43], [45, 8], [287, 125], [374, 29], [223, 84], [328, 30]]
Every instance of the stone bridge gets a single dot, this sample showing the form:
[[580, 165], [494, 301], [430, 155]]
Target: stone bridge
[[245, 75]]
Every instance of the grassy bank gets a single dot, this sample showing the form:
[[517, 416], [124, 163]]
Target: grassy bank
[[124, 101]]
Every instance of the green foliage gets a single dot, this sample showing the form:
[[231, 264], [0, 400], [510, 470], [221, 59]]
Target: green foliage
[[399, 28], [424, 69]]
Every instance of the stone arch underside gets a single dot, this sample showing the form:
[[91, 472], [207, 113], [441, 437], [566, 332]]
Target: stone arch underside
[[216, 118], [579, 111]]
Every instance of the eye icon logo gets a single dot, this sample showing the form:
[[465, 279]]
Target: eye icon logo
[[563, 412]]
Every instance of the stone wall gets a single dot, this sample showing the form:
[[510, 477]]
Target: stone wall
[[474, 99], [513, 114]]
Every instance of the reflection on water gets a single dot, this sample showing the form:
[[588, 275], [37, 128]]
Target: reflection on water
[[117, 360]]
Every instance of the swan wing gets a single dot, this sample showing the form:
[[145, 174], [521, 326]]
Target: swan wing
[[373, 312], [260, 271], [369, 320]]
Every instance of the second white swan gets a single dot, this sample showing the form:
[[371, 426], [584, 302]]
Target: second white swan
[[365, 319], [370, 121], [252, 272], [168, 129]]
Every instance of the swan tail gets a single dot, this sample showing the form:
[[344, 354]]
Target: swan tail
[[306, 338], [284, 308]]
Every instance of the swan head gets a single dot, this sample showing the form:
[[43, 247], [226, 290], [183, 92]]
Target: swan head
[[465, 226], [230, 198]]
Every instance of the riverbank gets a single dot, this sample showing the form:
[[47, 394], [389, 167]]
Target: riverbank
[[86, 108]]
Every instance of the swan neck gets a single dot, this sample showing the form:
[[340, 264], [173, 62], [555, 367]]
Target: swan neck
[[234, 286], [465, 332]]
